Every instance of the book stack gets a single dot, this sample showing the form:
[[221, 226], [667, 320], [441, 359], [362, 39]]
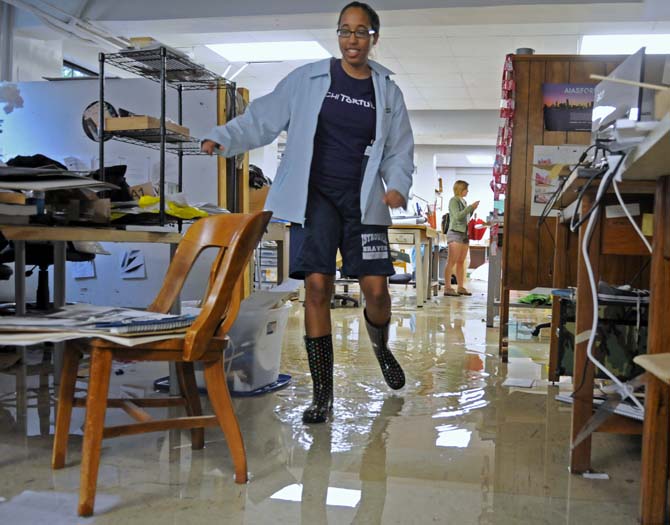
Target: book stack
[[13, 208]]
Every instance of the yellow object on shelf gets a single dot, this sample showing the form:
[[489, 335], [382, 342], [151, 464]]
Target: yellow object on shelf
[[171, 208]]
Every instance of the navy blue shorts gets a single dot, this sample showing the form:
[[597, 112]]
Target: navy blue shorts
[[333, 220]]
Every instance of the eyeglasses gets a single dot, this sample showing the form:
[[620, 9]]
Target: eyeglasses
[[359, 33]]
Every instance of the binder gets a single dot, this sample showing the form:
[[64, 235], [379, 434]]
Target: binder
[[139, 325]]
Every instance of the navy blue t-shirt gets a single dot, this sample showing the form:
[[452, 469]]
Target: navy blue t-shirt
[[346, 127]]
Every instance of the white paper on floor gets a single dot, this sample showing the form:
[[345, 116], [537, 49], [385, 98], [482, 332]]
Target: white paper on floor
[[595, 475]]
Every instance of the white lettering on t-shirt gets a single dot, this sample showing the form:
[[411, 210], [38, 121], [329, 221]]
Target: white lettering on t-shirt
[[341, 97]]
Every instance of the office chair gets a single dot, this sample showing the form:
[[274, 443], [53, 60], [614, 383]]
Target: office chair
[[41, 254]]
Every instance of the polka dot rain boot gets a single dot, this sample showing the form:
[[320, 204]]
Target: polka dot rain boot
[[320, 358], [391, 369]]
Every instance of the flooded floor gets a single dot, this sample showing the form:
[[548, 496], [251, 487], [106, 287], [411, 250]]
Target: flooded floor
[[454, 446]]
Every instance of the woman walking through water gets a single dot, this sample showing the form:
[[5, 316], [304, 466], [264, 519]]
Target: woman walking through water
[[348, 158], [457, 239]]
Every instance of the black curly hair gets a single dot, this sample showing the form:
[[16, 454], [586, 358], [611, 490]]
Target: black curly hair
[[372, 14]]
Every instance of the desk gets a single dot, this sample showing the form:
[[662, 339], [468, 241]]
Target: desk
[[651, 161], [645, 169], [417, 235], [59, 235]]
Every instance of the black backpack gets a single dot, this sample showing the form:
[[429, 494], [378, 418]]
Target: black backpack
[[445, 223]]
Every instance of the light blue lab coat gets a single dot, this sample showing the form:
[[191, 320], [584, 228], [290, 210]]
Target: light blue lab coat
[[294, 105]]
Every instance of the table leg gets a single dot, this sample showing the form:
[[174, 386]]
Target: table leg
[[283, 256], [59, 302], [583, 373], [559, 281], [20, 277], [503, 346], [419, 271], [59, 274], [655, 440], [427, 262], [493, 287]]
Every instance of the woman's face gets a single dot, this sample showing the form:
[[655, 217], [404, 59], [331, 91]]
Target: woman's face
[[464, 193], [355, 50]]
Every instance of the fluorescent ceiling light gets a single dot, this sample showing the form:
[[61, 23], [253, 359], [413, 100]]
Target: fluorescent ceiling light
[[624, 44], [270, 51], [481, 160]]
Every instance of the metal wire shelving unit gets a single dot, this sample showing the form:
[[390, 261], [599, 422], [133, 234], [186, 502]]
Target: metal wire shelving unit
[[170, 69]]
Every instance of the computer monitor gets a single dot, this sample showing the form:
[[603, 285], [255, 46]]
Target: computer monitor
[[614, 101]]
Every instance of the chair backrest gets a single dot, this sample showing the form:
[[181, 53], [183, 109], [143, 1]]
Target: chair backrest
[[236, 236]]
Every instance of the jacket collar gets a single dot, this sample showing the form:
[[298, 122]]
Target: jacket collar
[[322, 67]]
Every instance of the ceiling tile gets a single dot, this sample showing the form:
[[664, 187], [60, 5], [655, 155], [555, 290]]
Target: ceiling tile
[[393, 64], [450, 103], [486, 103], [492, 91], [416, 47], [481, 46], [426, 66], [483, 80], [403, 82], [455, 93], [480, 64], [417, 105], [437, 79]]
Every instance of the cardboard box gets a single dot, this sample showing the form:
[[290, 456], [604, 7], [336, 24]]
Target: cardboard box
[[257, 198], [142, 122], [662, 104]]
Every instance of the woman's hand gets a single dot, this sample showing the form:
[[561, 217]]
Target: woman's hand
[[475, 205], [394, 199], [208, 146]]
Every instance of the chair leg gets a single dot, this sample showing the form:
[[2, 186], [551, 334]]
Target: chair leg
[[96, 405], [68, 379], [219, 397], [189, 389]]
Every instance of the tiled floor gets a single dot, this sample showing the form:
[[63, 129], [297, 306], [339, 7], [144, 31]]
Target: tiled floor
[[454, 446]]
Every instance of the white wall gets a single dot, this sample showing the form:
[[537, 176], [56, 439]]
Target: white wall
[[266, 159], [434, 161], [50, 123]]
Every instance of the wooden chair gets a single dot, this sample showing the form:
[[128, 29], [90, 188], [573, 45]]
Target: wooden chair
[[236, 236]]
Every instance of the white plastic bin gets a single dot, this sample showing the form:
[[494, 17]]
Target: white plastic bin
[[252, 359]]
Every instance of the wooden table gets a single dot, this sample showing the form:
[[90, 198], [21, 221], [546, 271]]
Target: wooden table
[[417, 235], [59, 235], [651, 161]]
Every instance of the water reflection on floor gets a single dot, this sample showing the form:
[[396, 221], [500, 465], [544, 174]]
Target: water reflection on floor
[[454, 446]]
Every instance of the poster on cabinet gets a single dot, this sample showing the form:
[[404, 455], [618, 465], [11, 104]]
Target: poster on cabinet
[[567, 107], [550, 164]]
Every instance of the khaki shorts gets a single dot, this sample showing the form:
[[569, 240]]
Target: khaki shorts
[[459, 237]]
